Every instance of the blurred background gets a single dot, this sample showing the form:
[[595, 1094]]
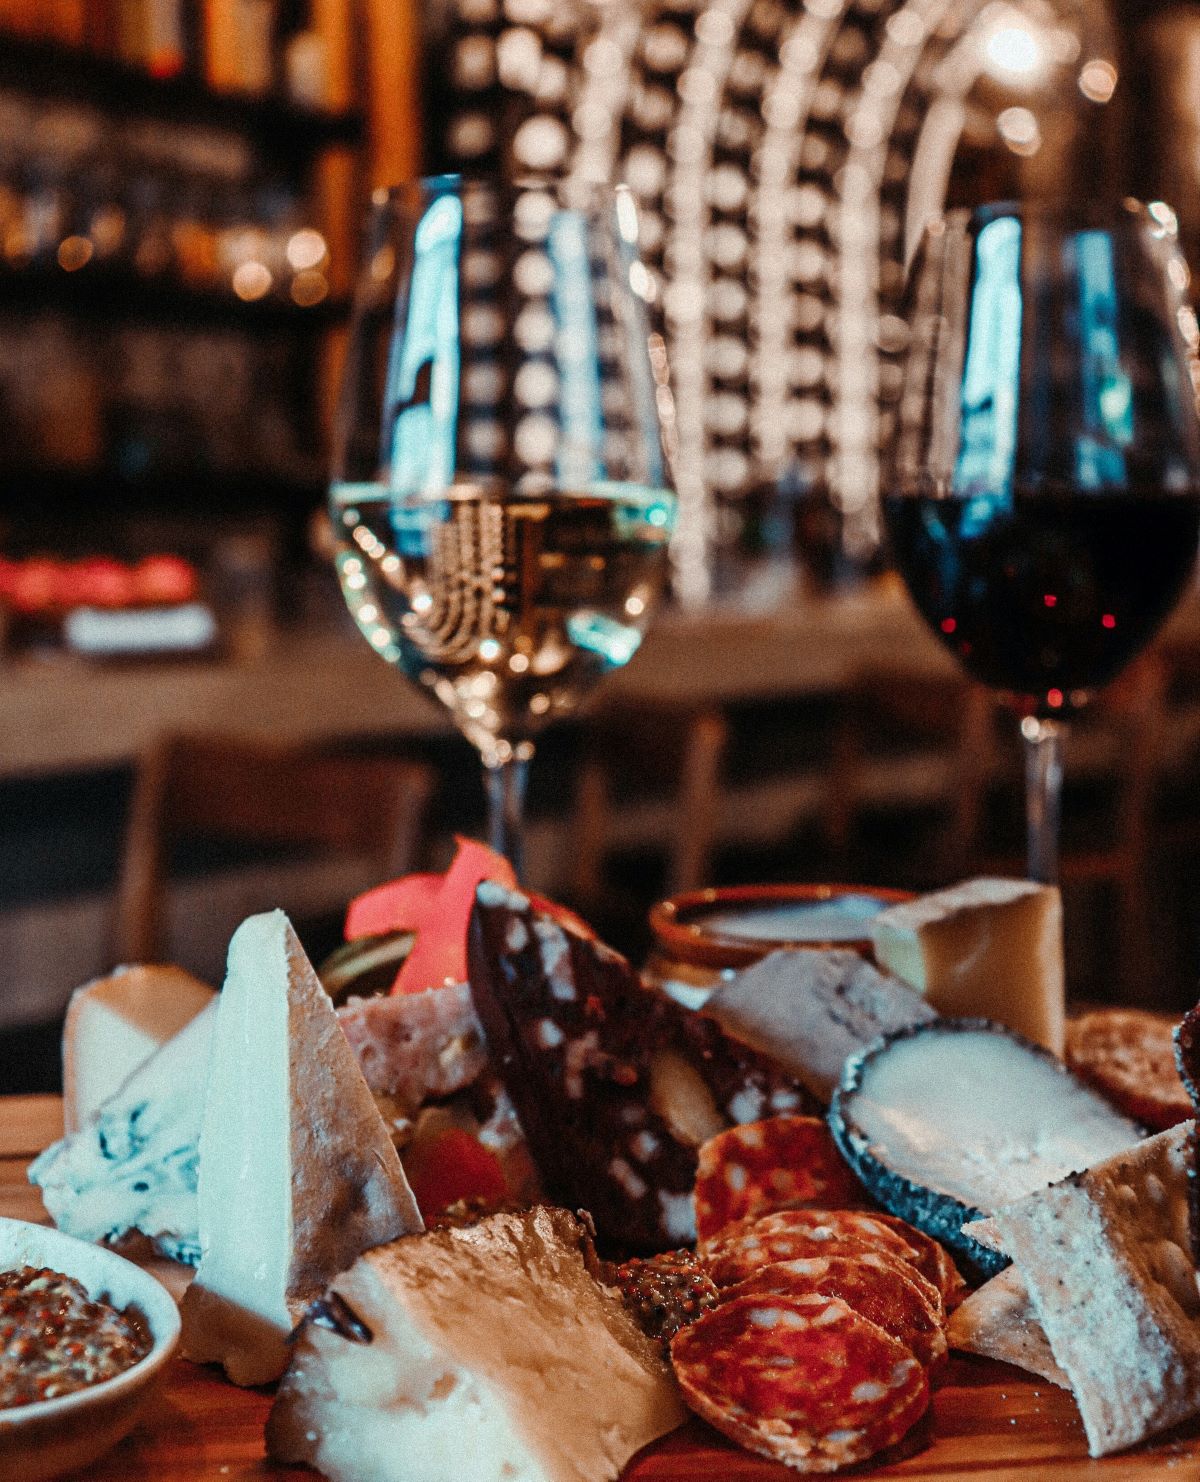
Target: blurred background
[[190, 728]]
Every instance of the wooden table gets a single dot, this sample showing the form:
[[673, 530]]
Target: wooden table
[[988, 1421]]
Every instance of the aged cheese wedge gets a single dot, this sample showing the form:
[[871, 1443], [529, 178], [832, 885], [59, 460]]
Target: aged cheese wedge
[[481, 1354], [133, 1167], [115, 1024], [989, 948], [1106, 1258], [297, 1173], [809, 1009]]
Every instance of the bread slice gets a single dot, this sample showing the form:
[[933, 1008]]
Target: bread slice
[[1106, 1258], [488, 1353]]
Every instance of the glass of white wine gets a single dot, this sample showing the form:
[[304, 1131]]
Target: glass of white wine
[[501, 497]]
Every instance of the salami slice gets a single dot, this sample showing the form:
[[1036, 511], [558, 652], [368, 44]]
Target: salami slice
[[804, 1380], [789, 1234], [873, 1284], [759, 1167]]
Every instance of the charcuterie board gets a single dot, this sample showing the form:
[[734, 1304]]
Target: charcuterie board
[[987, 1421]]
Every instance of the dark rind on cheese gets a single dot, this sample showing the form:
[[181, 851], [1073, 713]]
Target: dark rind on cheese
[[573, 1034], [938, 1214], [1187, 1061]]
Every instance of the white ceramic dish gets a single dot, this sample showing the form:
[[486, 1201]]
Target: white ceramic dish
[[63, 1435]]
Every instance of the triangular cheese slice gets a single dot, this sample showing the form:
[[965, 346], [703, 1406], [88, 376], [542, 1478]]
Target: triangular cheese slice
[[116, 1024], [297, 1173], [133, 1167]]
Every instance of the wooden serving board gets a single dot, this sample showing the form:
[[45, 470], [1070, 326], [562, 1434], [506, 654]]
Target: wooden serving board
[[988, 1421]]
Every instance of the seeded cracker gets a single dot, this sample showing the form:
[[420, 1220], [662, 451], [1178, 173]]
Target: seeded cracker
[[1106, 1257], [998, 1322]]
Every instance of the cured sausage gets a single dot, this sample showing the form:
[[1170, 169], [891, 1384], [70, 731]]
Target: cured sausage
[[875, 1285], [760, 1167], [804, 1380]]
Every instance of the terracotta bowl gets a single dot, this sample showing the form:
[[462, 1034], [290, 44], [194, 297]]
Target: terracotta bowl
[[698, 935], [51, 1437]]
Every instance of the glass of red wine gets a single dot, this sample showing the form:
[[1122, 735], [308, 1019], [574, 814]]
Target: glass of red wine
[[1042, 500]]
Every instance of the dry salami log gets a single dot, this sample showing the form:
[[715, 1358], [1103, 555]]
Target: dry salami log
[[804, 1380], [780, 1163], [875, 1285], [615, 1087], [744, 1247], [1129, 1057]]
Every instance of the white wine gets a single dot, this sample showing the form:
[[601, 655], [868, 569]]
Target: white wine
[[508, 607]]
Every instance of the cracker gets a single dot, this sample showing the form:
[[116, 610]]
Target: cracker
[[998, 1321], [1106, 1258]]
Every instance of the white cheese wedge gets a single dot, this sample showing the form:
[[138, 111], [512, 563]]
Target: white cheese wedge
[[485, 1354], [115, 1024], [989, 948], [133, 1167], [297, 1173]]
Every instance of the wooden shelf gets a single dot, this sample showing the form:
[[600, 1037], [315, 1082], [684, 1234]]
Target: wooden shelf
[[110, 292], [283, 129]]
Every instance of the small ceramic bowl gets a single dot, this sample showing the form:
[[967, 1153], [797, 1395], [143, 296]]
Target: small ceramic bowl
[[51, 1437], [704, 934]]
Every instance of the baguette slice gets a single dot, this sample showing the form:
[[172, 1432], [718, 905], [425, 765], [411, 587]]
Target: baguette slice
[[486, 1353]]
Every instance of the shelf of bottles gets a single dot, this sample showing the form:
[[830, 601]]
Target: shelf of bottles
[[166, 254]]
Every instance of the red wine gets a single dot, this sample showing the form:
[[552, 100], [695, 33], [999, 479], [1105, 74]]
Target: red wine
[[1047, 596]]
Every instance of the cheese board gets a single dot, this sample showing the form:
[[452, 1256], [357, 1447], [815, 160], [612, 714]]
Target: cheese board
[[988, 1420]]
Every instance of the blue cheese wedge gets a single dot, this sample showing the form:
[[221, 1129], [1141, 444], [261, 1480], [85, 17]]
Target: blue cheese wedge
[[115, 1024], [297, 1173], [488, 1353], [988, 948], [134, 1166]]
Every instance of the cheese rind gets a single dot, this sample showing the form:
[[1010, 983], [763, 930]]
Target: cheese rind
[[490, 1354], [297, 1173], [134, 1167], [987, 948], [115, 1024]]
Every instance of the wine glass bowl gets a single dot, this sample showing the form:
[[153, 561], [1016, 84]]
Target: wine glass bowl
[[501, 498], [1043, 496]]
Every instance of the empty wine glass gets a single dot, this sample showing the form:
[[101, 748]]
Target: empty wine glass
[[500, 498], [1043, 499]]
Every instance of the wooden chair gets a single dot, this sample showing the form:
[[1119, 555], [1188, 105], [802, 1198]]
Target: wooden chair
[[259, 795], [909, 768], [648, 777]]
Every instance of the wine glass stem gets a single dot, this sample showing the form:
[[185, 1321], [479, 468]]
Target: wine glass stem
[[505, 785], [1043, 795]]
